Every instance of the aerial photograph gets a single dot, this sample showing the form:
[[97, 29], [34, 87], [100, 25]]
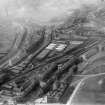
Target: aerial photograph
[[52, 52]]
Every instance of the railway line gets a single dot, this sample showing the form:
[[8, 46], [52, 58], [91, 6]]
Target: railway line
[[46, 68], [43, 78]]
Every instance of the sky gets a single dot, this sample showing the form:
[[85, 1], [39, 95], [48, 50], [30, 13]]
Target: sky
[[42, 11]]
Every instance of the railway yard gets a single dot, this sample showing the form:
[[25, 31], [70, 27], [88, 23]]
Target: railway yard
[[49, 70], [55, 64]]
